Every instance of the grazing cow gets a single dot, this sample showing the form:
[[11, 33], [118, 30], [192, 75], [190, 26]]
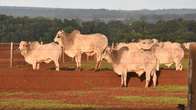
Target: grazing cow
[[168, 53], [34, 53], [124, 60], [75, 44]]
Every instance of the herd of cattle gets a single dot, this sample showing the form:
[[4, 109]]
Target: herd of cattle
[[143, 56]]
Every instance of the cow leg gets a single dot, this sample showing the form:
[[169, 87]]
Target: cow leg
[[38, 65], [76, 59], [79, 61], [125, 79], [98, 63], [158, 65], [56, 65], [154, 78], [122, 80], [179, 66], [34, 66], [147, 79]]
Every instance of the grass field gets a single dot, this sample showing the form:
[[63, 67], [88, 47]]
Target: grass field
[[168, 97], [106, 66], [169, 100], [162, 95], [39, 104]]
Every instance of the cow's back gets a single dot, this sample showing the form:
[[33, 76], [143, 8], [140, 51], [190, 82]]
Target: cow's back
[[139, 61], [50, 49], [90, 42]]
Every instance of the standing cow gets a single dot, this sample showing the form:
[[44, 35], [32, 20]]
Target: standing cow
[[35, 53], [167, 53], [125, 60], [75, 44]]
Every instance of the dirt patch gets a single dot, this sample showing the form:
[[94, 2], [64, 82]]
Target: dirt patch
[[85, 87]]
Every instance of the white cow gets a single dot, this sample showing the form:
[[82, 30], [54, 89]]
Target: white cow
[[75, 44], [124, 60], [167, 53], [34, 53]]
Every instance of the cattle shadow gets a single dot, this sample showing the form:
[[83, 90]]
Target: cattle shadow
[[142, 78], [64, 69], [82, 69]]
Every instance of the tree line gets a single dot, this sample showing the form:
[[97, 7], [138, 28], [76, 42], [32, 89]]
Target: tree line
[[44, 29]]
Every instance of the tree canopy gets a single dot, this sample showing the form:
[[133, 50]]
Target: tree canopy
[[43, 29]]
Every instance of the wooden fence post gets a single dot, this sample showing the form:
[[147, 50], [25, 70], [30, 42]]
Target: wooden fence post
[[192, 78], [11, 55]]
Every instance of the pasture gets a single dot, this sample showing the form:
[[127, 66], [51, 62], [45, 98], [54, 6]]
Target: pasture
[[46, 89]]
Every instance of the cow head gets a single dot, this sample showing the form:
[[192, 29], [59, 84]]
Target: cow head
[[23, 47], [114, 55], [147, 44], [107, 54], [59, 37]]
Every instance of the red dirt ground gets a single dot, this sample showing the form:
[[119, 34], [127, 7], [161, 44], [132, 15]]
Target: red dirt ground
[[85, 87]]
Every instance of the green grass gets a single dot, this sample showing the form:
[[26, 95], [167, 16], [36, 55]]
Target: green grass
[[152, 99], [90, 65], [10, 93], [31, 104], [185, 63], [171, 88]]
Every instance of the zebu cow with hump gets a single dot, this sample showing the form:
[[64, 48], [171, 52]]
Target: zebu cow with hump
[[35, 53], [132, 59], [167, 53], [75, 44]]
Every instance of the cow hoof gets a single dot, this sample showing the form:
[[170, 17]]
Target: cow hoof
[[79, 69], [97, 70]]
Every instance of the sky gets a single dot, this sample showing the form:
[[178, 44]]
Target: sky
[[104, 4]]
